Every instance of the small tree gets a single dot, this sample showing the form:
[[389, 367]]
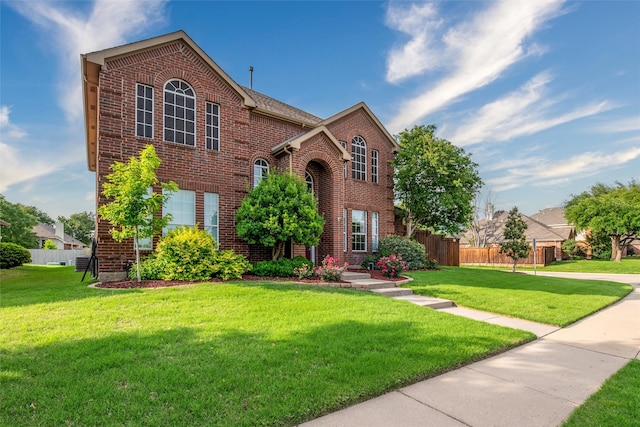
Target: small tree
[[133, 210], [49, 245], [279, 209], [515, 246]]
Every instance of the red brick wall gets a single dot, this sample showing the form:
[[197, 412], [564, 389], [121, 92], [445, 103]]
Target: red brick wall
[[244, 137]]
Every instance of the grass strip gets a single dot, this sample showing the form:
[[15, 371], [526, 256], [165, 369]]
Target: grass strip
[[616, 404], [550, 300]]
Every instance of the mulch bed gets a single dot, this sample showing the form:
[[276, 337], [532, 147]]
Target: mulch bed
[[150, 284]]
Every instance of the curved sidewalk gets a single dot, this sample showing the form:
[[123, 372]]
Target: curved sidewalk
[[537, 384]]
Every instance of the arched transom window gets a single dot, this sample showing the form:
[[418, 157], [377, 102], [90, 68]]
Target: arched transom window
[[179, 113], [358, 158], [308, 179], [260, 170]]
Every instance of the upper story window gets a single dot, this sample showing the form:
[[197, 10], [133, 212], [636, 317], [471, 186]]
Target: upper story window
[[144, 111], [344, 145], [358, 158], [308, 179], [213, 126], [374, 166], [260, 170], [179, 113]]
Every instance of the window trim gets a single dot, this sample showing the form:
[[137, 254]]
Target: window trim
[[212, 142], [358, 158], [144, 110], [185, 133]]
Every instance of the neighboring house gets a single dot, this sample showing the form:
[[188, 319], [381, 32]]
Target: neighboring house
[[56, 234], [552, 234], [217, 139]]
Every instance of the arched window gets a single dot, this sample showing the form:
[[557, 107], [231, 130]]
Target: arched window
[[179, 113], [260, 170], [308, 179], [358, 158]]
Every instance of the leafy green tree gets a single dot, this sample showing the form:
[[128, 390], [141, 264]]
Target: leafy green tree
[[80, 226], [22, 222], [41, 217], [434, 181], [614, 211], [515, 245], [279, 209], [49, 245], [132, 210]]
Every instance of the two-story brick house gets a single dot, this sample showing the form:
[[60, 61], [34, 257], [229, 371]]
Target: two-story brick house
[[216, 139]]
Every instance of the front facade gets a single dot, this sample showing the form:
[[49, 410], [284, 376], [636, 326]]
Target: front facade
[[216, 139]]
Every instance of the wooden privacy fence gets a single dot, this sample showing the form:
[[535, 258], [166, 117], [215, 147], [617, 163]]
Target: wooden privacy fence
[[545, 255], [444, 249]]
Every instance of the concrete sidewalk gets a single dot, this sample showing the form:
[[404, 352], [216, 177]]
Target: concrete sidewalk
[[537, 384]]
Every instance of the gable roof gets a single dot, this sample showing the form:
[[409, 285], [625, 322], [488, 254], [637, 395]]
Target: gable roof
[[272, 107], [367, 110], [45, 232], [296, 141], [535, 230]]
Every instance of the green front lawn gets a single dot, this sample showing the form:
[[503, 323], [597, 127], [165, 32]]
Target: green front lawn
[[540, 299], [616, 404], [233, 354], [628, 265]]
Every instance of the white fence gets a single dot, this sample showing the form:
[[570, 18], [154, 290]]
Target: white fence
[[68, 256]]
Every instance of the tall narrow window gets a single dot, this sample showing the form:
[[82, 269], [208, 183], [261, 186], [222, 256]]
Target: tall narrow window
[[374, 166], [358, 158], [358, 231], [213, 126], [344, 230], [374, 231], [145, 243], [308, 179], [179, 113], [182, 207], [144, 111], [211, 203], [260, 170]]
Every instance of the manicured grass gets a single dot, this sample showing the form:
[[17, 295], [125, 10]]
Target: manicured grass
[[233, 354], [628, 265], [541, 299], [616, 404]]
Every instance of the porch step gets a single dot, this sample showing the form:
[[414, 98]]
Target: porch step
[[393, 292], [435, 303], [348, 276], [370, 284]]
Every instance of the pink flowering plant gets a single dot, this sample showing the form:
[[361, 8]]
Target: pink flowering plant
[[392, 265], [305, 272], [331, 271]]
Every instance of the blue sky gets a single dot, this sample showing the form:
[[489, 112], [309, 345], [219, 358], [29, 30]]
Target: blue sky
[[545, 94]]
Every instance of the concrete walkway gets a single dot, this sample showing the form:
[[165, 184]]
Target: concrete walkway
[[537, 384]]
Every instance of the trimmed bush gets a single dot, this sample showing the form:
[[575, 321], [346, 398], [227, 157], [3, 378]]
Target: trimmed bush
[[370, 259], [392, 265], [13, 255], [229, 265], [186, 253], [413, 253], [284, 267], [149, 269]]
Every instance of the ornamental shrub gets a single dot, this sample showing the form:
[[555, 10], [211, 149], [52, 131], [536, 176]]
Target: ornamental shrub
[[229, 265], [13, 255], [149, 269], [330, 271], [370, 259], [413, 253], [186, 253], [284, 267], [392, 265]]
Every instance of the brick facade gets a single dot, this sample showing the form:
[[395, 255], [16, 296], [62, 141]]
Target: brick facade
[[251, 125]]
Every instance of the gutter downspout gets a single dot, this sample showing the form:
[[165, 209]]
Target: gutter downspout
[[286, 150]]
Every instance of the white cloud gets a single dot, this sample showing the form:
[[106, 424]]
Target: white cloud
[[524, 111], [474, 52], [628, 124], [109, 23], [542, 173], [8, 129], [18, 168]]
